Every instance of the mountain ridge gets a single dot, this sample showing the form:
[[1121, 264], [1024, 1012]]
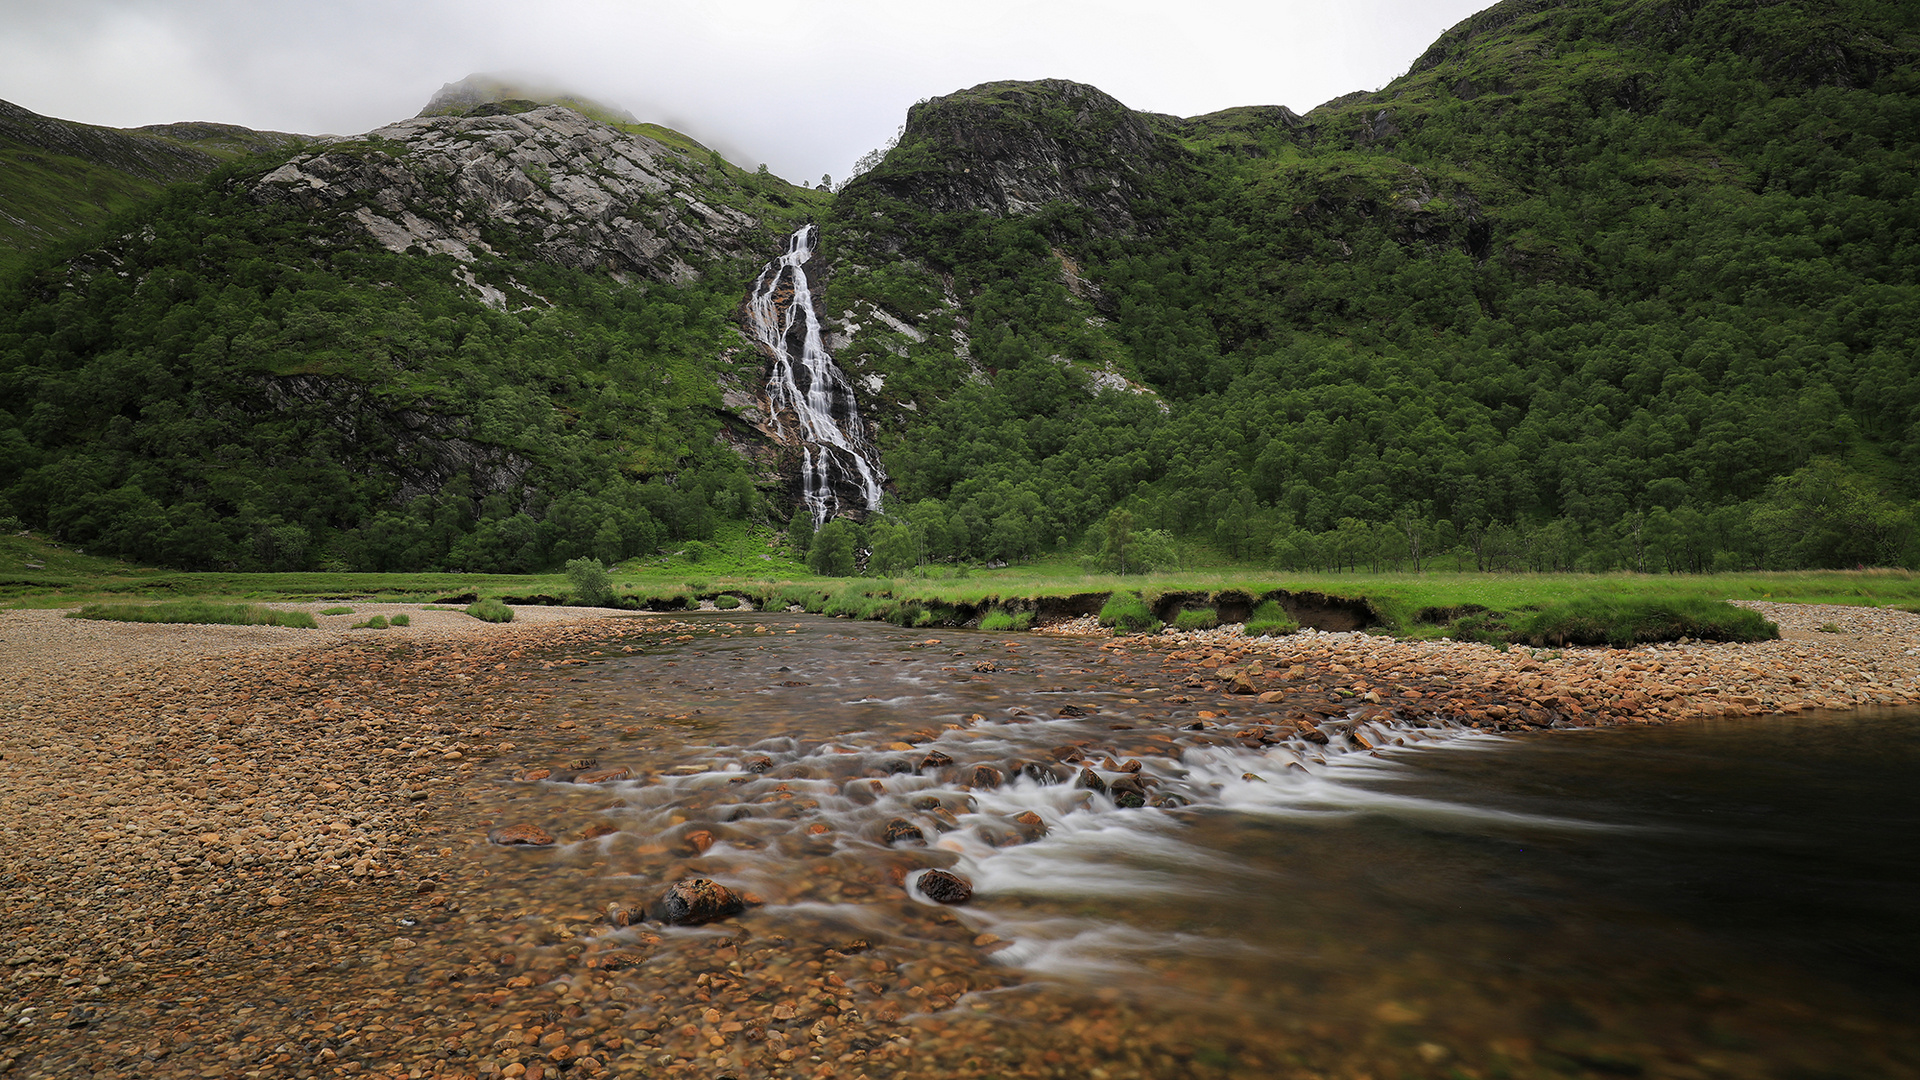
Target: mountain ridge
[[1565, 295]]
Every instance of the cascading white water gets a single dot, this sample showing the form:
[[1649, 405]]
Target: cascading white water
[[834, 453]]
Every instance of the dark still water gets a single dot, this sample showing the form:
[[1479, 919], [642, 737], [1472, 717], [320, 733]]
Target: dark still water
[[1724, 899]]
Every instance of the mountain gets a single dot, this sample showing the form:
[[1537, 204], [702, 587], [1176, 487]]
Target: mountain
[[1594, 285], [63, 178]]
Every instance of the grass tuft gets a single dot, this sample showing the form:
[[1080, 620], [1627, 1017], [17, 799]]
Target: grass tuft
[[490, 610], [1128, 613], [1270, 620], [1197, 619], [196, 611], [1000, 621], [1634, 621]]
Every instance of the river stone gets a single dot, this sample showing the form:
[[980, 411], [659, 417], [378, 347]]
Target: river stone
[[602, 776], [759, 765], [1091, 781], [900, 830], [692, 901], [944, 887], [521, 836], [934, 760], [986, 776]]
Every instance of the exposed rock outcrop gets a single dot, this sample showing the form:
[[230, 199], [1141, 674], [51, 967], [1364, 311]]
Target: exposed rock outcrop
[[548, 183], [1016, 147]]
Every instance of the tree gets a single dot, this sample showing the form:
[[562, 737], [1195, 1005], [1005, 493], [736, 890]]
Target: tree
[[831, 554], [590, 582], [1826, 515], [800, 530]]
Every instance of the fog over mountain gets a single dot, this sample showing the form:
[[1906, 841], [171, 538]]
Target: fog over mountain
[[804, 88]]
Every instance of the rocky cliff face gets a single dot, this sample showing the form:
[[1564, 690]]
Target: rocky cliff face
[[548, 183], [1014, 147]]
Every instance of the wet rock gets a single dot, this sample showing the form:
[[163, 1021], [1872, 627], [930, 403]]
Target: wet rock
[[1091, 781], [934, 760], [986, 776], [534, 774], [1070, 711], [620, 913], [521, 836], [926, 802], [945, 887], [1041, 771], [697, 842], [759, 764], [692, 901], [598, 830], [1172, 802], [902, 831], [1030, 826], [896, 766], [1067, 753], [602, 776]]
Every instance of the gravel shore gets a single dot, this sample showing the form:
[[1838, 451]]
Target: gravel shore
[[217, 837]]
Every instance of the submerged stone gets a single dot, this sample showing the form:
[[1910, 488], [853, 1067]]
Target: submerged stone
[[692, 901]]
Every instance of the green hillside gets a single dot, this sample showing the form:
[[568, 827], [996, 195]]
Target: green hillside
[[1587, 288], [1595, 286], [64, 178]]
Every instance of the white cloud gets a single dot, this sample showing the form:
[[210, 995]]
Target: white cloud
[[804, 87]]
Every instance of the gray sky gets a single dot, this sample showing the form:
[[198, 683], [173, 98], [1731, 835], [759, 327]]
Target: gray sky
[[805, 87]]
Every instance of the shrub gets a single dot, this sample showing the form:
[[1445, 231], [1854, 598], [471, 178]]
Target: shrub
[[1128, 613], [1270, 619], [197, 611], [490, 610], [695, 551], [591, 583], [1197, 619]]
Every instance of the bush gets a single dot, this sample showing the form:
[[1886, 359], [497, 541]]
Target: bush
[[1620, 623], [591, 584], [999, 621], [490, 610], [1198, 619], [1270, 619], [198, 612], [401, 620], [1128, 613]]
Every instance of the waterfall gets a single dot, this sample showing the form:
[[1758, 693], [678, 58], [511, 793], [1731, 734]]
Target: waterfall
[[807, 385]]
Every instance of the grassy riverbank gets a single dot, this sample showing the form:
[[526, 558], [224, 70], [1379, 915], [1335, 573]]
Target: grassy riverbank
[[38, 573]]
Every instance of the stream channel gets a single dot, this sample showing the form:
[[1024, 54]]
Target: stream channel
[[1717, 899]]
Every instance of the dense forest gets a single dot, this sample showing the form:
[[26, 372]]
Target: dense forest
[[1594, 286], [1646, 311]]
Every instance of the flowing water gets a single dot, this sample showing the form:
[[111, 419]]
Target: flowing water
[[1728, 899], [804, 384]]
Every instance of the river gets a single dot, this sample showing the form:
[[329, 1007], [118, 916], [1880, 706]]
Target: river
[[1733, 898]]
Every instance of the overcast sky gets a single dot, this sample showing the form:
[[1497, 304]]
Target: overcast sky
[[805, 87]]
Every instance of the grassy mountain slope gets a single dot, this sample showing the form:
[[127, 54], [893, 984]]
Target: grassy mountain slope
[[1595, 285], [1587, 287], [63, 177], [399, 351]]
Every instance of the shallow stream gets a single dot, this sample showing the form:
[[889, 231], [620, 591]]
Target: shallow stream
[[1154, 896]]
